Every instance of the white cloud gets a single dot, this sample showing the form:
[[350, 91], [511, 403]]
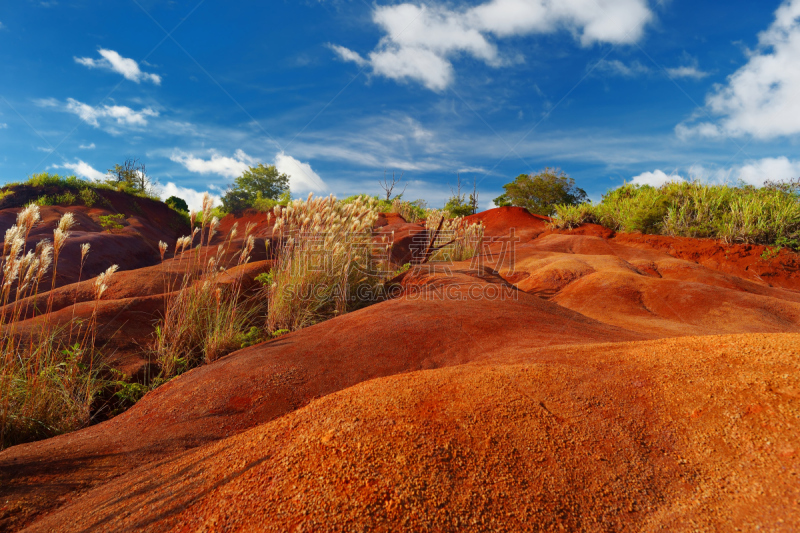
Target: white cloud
[[772, 168], [3, 125], [301, 177], [84, 170], [122, 115], [114, 62], [754, 172], [229, 167], [617, 67], [87, 146], [421, 40], [193, 198], [760, 99], [656, 178], [46, 102], [348, 55], [687, 71]]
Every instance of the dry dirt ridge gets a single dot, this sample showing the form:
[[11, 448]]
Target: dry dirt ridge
[[616, 386]]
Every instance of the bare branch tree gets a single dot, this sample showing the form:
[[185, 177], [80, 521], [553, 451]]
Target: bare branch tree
[[388, 187], [473, 198], [457, 193]]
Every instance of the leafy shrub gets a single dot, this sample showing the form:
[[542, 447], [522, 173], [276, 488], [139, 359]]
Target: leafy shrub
[[744, 214], [111, 222], [540, 193], [89, 197], [268, 204], [178, 204], [410, 211], [255, 183]]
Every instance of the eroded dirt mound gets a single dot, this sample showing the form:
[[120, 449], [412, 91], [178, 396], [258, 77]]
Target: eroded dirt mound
[[767, 264], [607, 435], [120, 228], [674, 434], [420, 331]]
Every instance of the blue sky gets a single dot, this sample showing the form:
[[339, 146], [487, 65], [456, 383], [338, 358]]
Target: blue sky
[[333, 91]]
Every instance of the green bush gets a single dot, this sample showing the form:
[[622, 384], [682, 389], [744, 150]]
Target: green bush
[[89, 197], [110, 222], [254, 184], [540, 193], [743, 214], [178, 204], [268, 204]]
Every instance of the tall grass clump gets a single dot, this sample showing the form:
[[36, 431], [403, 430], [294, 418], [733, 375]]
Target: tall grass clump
[[410, 211], [326, 261], [206, 313], [49, 376], [735, 214], [451, 239]]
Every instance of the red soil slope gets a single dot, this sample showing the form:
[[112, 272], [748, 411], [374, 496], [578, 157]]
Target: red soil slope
[[677, 434], [135, 245], [512, 414]]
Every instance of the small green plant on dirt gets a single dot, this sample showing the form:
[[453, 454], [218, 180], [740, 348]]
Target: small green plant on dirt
[[265, 278], [403, 269], [770, 253], [89, 197], [111, 222], [254, 336]]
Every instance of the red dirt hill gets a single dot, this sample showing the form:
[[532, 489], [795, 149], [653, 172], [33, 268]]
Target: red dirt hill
[[476, 400]]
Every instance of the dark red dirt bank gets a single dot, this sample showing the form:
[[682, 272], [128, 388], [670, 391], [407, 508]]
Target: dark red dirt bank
[[550, 395]]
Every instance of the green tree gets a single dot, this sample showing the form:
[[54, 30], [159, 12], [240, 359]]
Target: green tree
[[538, 193], [178, 204], [458, 205], [255, 183], [132, 177]]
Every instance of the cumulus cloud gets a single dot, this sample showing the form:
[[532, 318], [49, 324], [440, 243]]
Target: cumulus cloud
[[657, 178], [759, 99], [193, 198], [754, 172], [229, 167], [421, 40], [84, 170], [302, 177], [111, 60], [87, 146]]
